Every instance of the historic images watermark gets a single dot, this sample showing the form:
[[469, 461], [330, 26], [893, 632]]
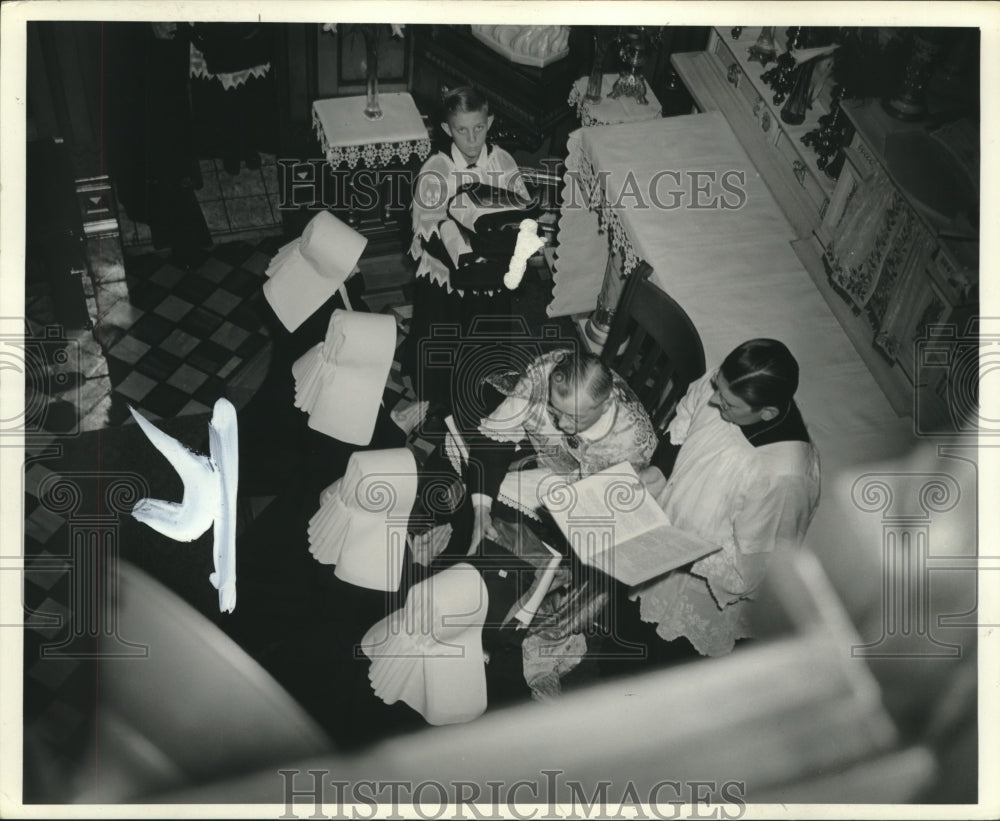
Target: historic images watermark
[[951, 362], [90, 504], [87, 504], [913, 509], [501, 345], [49, 362], [331, 797], [311, 184], [925, 512]]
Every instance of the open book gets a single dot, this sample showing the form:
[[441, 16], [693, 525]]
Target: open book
[[613, 524]]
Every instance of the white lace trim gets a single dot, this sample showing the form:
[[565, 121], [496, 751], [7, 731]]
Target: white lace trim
[[578, 100], [501, 436], [514, 504], [452, 452], [374, 155], [607, 216], [229, 80], [434, 270]]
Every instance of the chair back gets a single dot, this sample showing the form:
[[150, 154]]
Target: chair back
[[663, 352]]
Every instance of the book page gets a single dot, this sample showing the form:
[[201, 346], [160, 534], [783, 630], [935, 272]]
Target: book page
[[613, 524], [631, 563], [642, 557], [614, 498]]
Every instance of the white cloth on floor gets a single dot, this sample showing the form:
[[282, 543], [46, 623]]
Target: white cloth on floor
[[407, 415]]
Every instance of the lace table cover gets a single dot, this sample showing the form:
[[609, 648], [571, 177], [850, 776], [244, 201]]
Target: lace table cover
[[346, 136], [585, 223], [608, 111], [608, 215], [677, 192]]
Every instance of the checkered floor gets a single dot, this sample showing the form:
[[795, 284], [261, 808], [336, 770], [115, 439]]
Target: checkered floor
[[191, 331], [173, 343], [59, 692]]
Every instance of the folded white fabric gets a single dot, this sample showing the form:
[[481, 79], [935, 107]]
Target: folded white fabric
[[429, 654], [307, 271], [362, 519], [210, 486], [528, 242], [339, 382]]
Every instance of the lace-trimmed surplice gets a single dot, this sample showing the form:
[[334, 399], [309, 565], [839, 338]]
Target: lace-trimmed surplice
[[750, 501], [437, 183]]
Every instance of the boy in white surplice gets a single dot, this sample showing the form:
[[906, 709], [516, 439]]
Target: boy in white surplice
[[441, 245]]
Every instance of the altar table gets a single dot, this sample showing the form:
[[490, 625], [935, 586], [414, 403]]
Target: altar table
[[682, 194]]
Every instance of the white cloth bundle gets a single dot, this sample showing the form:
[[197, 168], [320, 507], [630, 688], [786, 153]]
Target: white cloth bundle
[[528, 242], [362, 520], [307, 271], [429, 654], [339, 382]]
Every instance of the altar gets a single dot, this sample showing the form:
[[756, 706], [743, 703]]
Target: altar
[[682, 194]]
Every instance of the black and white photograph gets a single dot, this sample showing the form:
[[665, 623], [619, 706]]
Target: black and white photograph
[[498, 410]]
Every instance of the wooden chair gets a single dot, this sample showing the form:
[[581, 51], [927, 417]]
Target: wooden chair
[[663, 354]]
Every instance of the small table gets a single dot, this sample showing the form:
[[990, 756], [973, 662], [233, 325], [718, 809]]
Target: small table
[[348, 138], [608, 111]]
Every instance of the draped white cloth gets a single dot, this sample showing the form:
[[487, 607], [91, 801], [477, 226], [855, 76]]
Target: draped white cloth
[[346, 136], [231, 79]]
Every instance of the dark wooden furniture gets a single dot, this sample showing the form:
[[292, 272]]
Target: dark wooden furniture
[[56, 246], [663, 354], [528, 103]]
